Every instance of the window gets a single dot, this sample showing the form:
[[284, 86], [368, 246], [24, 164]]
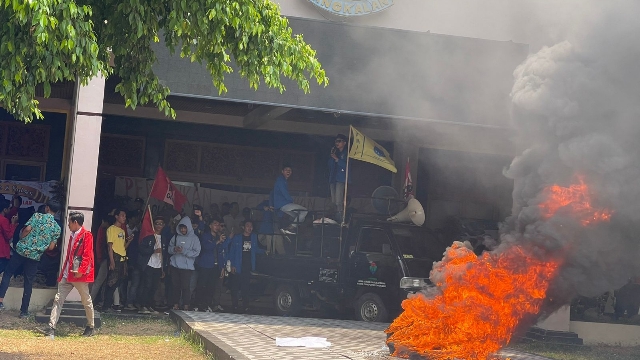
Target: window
[[371, 240]]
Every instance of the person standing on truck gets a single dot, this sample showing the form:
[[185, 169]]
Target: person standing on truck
[[338, 173], [282, 200], [242, 250]]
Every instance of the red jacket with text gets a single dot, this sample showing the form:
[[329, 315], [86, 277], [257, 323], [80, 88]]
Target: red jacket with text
[[6, 234], [86, 251]]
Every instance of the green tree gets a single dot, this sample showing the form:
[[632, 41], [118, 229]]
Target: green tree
[[47, 41]]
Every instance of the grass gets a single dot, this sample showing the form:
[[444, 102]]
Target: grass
[[581, 352], [117, 338]]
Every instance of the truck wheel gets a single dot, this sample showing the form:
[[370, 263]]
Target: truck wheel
[[287, 301], [370, 307]]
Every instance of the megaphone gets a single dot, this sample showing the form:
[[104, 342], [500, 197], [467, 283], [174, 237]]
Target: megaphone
[[413, 212]]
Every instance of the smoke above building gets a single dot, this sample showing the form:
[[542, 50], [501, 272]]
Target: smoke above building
[[576, 200]]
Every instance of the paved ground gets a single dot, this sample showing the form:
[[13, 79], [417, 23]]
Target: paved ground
[[252, 337]]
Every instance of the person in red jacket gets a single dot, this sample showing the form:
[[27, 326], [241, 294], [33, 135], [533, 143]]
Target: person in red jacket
[[77, 271], [6, 232]]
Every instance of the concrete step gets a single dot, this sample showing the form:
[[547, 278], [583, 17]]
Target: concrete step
[[552, 337], [72, 312]]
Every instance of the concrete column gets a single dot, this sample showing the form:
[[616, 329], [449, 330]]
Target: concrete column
[[84, 146]]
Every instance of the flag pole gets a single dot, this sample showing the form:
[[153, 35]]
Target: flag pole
[[146, 205], [346, 180]]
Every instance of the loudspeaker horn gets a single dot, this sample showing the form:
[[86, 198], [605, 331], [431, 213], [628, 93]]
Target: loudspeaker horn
[[414, 212]]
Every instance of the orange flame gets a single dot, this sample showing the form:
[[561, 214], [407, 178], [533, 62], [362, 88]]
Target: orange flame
[[577, 199], [482, 299]]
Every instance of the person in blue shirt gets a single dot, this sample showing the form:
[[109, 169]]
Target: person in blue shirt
[[338, 173], [241, 252], [210, 267], [283, 201]]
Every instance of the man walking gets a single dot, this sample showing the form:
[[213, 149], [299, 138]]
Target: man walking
[[77, 271], [40, 233]]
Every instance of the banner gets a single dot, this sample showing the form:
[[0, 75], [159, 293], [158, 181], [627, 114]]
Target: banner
[[139, 188], [33, 194], [365, 149]]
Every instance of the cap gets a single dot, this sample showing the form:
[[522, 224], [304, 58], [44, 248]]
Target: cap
[[139, 200], [341, 137]]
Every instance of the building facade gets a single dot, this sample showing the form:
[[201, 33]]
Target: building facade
[[439, 101]]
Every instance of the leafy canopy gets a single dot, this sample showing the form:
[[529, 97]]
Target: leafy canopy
[[47, 41]]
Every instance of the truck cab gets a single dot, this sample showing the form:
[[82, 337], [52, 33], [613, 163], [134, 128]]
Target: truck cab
[[367, 267]]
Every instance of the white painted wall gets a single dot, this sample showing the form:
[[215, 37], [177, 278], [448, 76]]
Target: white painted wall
[[607, 334]]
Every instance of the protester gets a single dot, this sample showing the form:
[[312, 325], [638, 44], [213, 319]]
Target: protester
[[39, 234], [138, 205], [130, 287], [16, 203], [242, 250], [233, 220], [117, 242], [266, 236], [214, 211], [282, 200], [210, 268], [101, 255], [225, 209], [184, 248], [150, 263], [7, 228], [246, 213], [77, 271], [197, 220], [337, 173]]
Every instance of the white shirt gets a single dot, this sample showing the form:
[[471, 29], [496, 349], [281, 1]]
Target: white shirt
[[74, 235], [155, 261]]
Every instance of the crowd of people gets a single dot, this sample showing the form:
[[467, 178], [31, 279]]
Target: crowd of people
[[187, 263]]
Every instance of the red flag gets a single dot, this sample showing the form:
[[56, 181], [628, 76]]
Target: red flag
[[408, 183], [164, 190], [147, 226]]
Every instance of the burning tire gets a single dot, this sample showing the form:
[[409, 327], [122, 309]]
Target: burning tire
[[370, 307], [287, 301]]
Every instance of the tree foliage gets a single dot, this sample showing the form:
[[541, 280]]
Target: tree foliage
[[47, 41]]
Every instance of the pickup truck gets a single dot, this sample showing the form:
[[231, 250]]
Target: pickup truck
[[367, 267]]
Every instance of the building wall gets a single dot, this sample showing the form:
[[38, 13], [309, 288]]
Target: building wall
[[156, 132], [40, 143]]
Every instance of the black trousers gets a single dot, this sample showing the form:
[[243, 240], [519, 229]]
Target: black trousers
[[30, 269], [240, 282], [206, 288], [110, 289], [180, 286], [150, 282]]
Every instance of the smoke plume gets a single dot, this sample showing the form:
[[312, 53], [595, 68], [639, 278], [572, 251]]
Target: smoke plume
[[576, 107]]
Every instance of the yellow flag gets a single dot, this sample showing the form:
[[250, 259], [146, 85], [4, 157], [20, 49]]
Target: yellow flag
[[365, 149]]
